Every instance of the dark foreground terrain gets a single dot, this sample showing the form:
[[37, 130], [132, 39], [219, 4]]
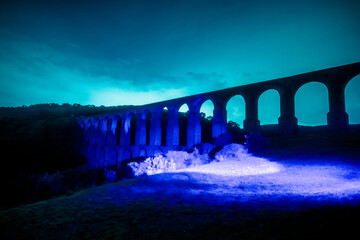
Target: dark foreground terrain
[[158, 208], [315, 195]]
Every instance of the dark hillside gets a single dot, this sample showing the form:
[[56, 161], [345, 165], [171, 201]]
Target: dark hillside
[[36, 142]]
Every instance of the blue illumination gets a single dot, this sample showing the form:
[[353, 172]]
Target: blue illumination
[[317, 181], [234, 174]]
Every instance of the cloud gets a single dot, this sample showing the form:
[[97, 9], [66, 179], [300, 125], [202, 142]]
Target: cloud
[[115, 96], [32, 72]]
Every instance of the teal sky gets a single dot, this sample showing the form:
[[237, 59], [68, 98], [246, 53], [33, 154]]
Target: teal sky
[[137, 52]]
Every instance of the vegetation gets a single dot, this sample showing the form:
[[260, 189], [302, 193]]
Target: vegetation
[[64, 110], [39, 144]]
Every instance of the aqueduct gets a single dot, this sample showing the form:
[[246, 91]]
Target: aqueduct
[[137, 132]]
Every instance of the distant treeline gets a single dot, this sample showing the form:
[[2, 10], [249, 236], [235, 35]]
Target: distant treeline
[[54, 109]]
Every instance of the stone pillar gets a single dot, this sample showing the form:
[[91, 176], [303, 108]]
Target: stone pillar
[[125, 131], [102, 132], [108, 134], [219, 125], [287, 120], [87, 132], [194, 128], [337, 118], [251, 122], [94, 132], [91, 133], [138, 129], [122, 139], [172, 132], [155, 129], [111, 132], [141, 130], [91, 156]]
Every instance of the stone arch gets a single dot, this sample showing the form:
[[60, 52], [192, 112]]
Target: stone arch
[[164, 123], [269, 107], [206, 113], [311, 110], [127, 155], [352, 100], [183, 118]]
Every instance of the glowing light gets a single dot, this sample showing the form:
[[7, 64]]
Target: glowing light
[[236, 168], [317, 182], [236, 175]]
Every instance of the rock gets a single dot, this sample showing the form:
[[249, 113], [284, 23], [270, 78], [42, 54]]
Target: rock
[[231, 151]]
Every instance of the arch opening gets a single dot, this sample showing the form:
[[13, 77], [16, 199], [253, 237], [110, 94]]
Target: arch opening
[[352, 100], [206, 114], [312, 104], [148, 126], [269, 111], [164, 122], [108, 136], [183, 124], [269, 107], [118, 131], [133, 123], [235, 109]]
